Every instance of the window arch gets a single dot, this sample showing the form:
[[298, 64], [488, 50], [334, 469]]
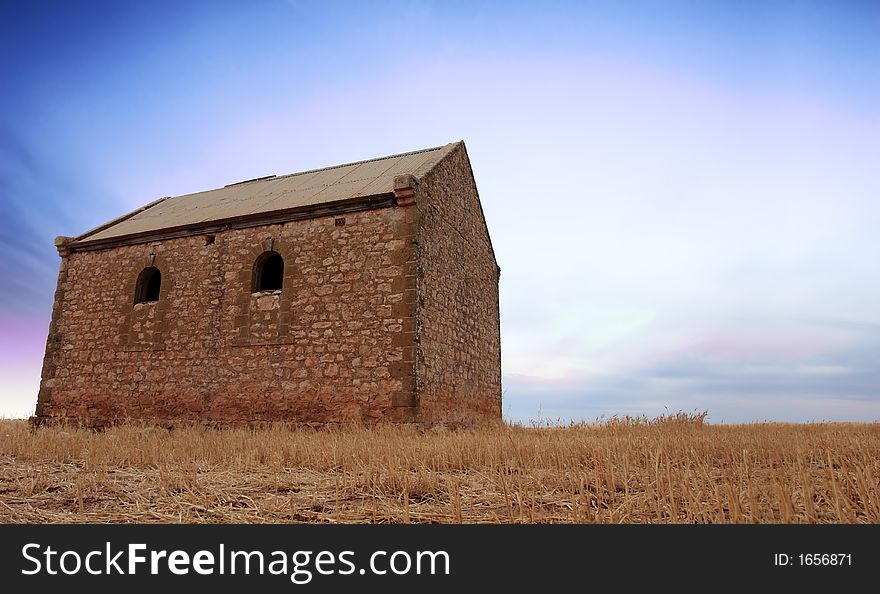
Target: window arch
[[268, 272], [148, 284]]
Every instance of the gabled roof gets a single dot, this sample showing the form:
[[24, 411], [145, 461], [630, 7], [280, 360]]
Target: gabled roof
[[297, 193]]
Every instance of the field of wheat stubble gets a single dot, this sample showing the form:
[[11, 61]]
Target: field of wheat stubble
[[673, 469]]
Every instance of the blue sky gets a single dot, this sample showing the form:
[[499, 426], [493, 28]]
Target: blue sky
[[683, 196]]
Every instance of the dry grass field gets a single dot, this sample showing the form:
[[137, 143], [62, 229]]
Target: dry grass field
[[674, 469]]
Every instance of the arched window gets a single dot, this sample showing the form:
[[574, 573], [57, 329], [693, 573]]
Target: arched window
[[148, 284], [268, 272]]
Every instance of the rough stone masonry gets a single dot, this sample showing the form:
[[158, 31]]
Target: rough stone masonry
[[365, 292]]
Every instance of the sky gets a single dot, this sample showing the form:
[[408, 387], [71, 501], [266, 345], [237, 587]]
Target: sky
[[683, 197]]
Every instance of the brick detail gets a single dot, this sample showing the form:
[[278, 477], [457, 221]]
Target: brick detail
[[405, 189]]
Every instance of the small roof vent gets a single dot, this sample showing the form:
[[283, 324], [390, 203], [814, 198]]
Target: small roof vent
[[247, 181]]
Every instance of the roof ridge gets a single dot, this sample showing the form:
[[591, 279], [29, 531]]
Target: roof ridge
[[286, 175], [427, 150]]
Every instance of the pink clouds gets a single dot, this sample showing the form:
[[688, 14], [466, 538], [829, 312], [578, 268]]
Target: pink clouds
[[721, 340], [774, 342], [22, 338], [22, 342]]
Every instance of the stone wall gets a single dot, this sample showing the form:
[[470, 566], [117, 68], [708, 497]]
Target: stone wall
[[336, 344], [459, 348]]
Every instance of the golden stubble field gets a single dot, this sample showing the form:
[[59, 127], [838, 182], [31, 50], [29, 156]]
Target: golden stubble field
[[673, 469]]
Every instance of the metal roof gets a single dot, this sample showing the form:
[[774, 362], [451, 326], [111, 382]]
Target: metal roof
[[271, 194]]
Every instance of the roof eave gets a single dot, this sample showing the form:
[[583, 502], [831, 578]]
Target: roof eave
[[119, 219], [311, 211]]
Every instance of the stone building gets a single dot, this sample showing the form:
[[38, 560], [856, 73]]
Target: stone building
[[362, 292]]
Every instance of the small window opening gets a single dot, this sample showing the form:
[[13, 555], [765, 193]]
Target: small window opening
[[209, 239], [340, 222], [269, 272], [148, 285]]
